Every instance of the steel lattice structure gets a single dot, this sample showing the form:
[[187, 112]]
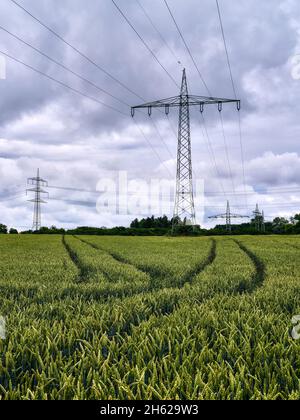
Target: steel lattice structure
[[38, 183], [184, 208], [259, 220], [228, 216]]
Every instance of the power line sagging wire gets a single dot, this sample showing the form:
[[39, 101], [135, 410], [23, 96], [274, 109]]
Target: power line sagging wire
[[83, 55], [53, 79], [162, 38], [227, 152], [235, 95], [203, 81], [63, 66], [152, 148], [78, 92], [212, 154], [144, 43], [187, 47]]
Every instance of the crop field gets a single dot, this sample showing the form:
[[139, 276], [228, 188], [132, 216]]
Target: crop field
[[93, 317]]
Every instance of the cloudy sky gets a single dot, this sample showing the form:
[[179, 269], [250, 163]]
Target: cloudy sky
[[80, 144]]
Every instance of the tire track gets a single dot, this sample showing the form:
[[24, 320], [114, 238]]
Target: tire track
[[83, 272], [187, 278], [158, 302], [258, 277], [153, 273], [116, 257]]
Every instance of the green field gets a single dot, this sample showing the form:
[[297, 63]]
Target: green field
[[149, 318]]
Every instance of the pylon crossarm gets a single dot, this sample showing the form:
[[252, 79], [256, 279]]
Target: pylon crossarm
[[205, 100], [220, 216], [232, 216], [238, 216], [40, 201], [37, 190], [177, 101]]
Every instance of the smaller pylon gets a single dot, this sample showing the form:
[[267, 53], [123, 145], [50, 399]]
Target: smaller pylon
[[259, 220], [38, 183], [228, 216], [263, 226]]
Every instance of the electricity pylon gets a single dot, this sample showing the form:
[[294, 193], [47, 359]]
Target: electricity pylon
[[184, 208], [38, 183], [259, 220], [228, 216], [263, 226]]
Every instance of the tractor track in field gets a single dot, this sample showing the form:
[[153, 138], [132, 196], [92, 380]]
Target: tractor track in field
[[152, 273], [259, 276], [170, 298], [187, 278], [258, 279], [82, 276], [116, 257]]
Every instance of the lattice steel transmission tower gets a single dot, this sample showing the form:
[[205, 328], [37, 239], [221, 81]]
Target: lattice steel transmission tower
[[259, 220], [263, 226], [38, 184], [228, 216], [184, 207]]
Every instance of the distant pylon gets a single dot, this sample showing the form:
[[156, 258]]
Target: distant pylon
[[263, 226], [38, 183], [228, 216], [257, 215]]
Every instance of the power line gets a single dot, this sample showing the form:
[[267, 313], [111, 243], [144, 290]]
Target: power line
[[161, 138], [212, 154], [158, 32], [235, 94], [79, 76], [63, 66], [83, 55], [153, 149], [86, 96], [187, 47], [264, 205], [207, 193], [12, 197], [72, 189], [226, 49], [70, 70], [227, 152], [78, 92], [144, 43], [206, 86]]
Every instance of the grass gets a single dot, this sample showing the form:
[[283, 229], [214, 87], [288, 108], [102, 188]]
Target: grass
[[149, 318]]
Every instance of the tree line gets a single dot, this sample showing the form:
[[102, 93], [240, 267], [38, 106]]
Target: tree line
[[158, 226]]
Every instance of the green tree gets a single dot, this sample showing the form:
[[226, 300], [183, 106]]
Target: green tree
[[297, 219], [135, 224], [280, 225], [3, 229], [13, 231]]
